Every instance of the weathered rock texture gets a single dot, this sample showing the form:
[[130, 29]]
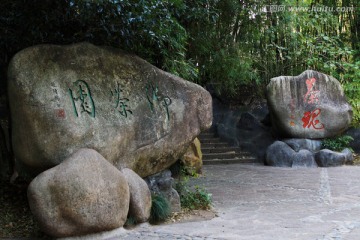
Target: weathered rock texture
[[305, 153], [303, 158], [162, 183], [328, 158], [63, 98], [140, 196], [84, 194], [192, 158], [311, 105], [308, 144], [279, 154]]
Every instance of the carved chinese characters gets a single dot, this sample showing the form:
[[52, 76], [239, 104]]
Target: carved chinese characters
[[310, 118], [311, 105], [155, 98], [132, 113], [82, 94], [83, 102], [121, 102]]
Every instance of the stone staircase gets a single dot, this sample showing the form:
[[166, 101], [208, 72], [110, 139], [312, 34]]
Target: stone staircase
[[217, 151]]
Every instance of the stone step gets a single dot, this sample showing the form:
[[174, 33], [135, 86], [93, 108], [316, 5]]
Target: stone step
[[211, 140], [202, 139], [221, 149], [216, 151], [230, 161], [206, 135], [214, 145], [209, 156]]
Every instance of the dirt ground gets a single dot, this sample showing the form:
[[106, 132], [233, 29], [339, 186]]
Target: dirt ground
[[192, 216]]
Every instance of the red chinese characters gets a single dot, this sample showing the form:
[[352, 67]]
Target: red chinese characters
[[311, 96], [309, 120]]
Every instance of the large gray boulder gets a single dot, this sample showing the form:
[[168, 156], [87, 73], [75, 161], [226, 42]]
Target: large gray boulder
[[311, 105], [64, 98], [140, 196], [82, 195]]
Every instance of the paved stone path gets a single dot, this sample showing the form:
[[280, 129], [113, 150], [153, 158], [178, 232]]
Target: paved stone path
[[259, 203]]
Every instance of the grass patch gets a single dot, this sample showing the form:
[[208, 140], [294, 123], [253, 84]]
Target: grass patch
[[160, 209]]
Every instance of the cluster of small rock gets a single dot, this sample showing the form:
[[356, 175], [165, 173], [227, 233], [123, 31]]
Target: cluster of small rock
[[305, 153]]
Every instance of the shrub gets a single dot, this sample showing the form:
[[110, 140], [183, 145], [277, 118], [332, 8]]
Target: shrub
[[337, 143], [160, 208], [197, 199]]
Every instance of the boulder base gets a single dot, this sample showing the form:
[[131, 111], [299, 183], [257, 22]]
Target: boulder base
[[328, 158], [161, 184], [140, 196], [279, 154], [82, 195], [307, 144], [303, 158], [192, 158]]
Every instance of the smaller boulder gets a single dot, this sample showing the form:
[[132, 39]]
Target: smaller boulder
[[192, 158], [140, 196], [161, 183], [328, 158], [304, 158], [84, 194], [301, 143], [279, 154]]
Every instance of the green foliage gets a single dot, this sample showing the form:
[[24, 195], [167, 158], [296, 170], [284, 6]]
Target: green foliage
[[160, 208], [337, 143], [229, 44], [230, 70], [199, 198], [193, 199], [130, 221], [149, 29], [352, 89]]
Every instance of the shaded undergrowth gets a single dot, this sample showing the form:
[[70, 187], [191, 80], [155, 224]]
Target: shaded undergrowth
[[16, 219]]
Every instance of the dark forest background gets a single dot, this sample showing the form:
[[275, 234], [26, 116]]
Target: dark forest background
[[235, 46]]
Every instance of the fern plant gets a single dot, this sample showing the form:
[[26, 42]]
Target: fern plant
[[337, 143]]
